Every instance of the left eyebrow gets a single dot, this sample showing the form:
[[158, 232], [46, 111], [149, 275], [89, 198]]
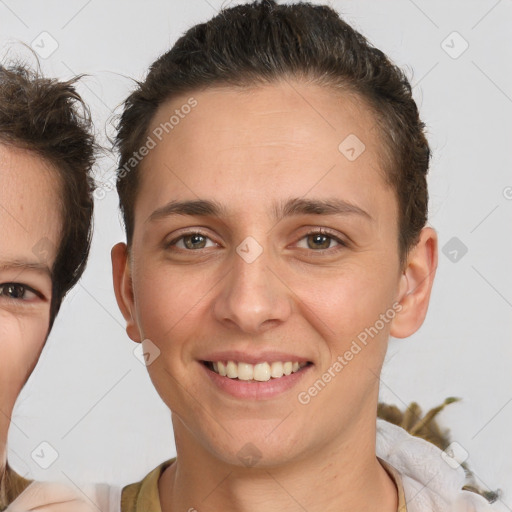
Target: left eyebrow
[[332, 206], [291, 207], [24, 265]]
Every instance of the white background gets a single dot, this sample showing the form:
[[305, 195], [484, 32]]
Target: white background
[[92, 400]]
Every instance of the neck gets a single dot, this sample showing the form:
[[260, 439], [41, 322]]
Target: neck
[[343, 476]]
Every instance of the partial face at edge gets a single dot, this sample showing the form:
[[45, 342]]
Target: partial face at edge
[[189, 289], [30, 224]]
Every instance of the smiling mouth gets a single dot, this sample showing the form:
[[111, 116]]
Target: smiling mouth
[[261, 372]]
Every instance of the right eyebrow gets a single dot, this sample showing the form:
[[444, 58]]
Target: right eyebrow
[[201, 207]]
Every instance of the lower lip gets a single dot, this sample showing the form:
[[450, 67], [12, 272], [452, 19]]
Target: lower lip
[[256, 390]]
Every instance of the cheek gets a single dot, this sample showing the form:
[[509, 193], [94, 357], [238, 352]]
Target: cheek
[[167, 299], [347, 303], [21, 343]]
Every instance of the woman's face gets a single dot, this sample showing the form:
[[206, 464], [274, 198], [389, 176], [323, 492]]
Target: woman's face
[[29, 233], [249, 278]]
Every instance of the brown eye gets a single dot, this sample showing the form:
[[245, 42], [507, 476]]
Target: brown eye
[[191, 241], [319, 241], [16, 291], [195, 241]]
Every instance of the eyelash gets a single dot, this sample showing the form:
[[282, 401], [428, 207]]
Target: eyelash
[[321, 231], [26, 289]]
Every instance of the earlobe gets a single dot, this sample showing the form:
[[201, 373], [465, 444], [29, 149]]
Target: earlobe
[[416, 285], [123, 289]]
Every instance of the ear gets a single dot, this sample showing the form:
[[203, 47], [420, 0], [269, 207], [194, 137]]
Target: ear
[[123, 289], [415, 285]]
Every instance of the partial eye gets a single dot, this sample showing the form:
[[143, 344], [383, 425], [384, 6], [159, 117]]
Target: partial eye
[[191, 241], [320, 240], [17, 291]]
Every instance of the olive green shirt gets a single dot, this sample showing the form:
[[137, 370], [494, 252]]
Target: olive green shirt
[[143, 496], [11, 486]]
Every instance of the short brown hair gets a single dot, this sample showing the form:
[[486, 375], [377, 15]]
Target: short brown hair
[[261, 42], [49, 117]]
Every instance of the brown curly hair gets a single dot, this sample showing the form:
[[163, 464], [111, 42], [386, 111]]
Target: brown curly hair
[[49, 118], [261, 42]]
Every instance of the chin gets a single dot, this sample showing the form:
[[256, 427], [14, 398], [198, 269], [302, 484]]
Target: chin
[[258, 450]]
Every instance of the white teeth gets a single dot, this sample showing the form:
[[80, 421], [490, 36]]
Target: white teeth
[[245, 371], [232, 370], [261, 372], [276, 369]]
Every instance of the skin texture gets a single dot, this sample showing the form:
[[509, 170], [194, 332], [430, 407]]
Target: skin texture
[[310, 297], [30, 229]]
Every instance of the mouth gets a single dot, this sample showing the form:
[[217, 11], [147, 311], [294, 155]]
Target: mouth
[[260, 372]]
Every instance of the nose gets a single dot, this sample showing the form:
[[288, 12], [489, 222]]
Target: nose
[[252, 297]]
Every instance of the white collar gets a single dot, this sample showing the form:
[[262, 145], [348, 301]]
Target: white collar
[[430, 483]]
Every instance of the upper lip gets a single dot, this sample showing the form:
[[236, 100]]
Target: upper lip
[[253, 357]]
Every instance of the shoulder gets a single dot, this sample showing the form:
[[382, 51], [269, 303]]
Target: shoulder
[[11, 486], [50, 496], [144, 495]]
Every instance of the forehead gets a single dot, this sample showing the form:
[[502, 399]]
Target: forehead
[[30, 219], [286, 136]]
